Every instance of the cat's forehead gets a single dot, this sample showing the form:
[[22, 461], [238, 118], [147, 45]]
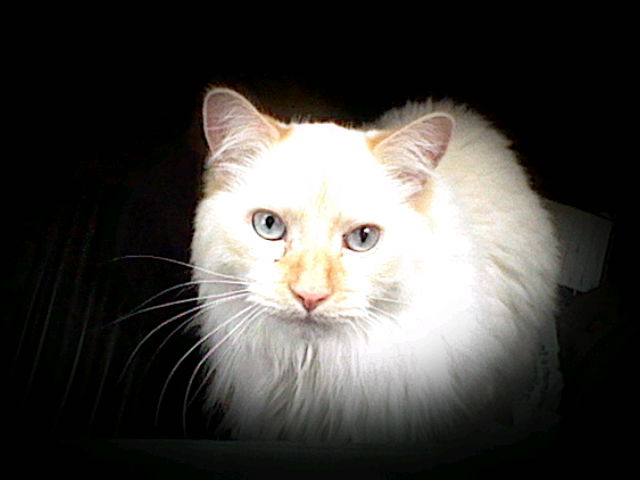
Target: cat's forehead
[[323, 146], [321, 153], [321, 165]]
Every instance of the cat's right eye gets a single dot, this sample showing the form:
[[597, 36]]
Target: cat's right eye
[[268, 225]]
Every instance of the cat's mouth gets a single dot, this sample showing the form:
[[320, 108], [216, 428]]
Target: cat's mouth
[[320, 319], [325, 315], [311, 318]]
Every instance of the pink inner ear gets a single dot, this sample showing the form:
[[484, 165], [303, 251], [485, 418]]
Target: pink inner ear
[[436, 131], [426, 138], [224, 112], [230, 120], [214, 127]]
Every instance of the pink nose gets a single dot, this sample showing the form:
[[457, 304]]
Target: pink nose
[[310, 300]]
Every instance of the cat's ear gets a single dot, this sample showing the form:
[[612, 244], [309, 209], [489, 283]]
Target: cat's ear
[[235, 130], [413, 152]]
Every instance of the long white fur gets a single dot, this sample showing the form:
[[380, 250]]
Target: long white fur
[[437, 331]]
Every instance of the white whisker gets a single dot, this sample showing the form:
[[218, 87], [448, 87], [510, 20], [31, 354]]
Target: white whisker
[[220, 298], [242, 323], [184, 285], [374, 309], [174, 303], [386, 299], [181, 326], [360, 331], [196, 345], [197, 308], [371, 319], [204, 307], [183, 264]]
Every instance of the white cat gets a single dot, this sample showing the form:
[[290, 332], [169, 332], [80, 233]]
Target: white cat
[[383, 284]]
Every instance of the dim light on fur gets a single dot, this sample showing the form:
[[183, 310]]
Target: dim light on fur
[[431, 333]]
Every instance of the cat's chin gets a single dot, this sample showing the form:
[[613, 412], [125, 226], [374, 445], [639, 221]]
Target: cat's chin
[[314, 319], [308, 318]]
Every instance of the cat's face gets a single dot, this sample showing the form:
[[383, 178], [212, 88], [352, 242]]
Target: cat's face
[[316, 226], [309, 216]]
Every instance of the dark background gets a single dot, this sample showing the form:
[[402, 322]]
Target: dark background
[[108, 164]]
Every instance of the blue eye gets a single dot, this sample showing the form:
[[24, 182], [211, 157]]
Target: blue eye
[[268, 225], [362, 238]]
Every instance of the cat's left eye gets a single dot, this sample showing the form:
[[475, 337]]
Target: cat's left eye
[[362, 238], [268, 225]]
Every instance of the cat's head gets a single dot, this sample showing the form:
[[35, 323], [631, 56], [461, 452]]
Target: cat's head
[[323, 223]]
